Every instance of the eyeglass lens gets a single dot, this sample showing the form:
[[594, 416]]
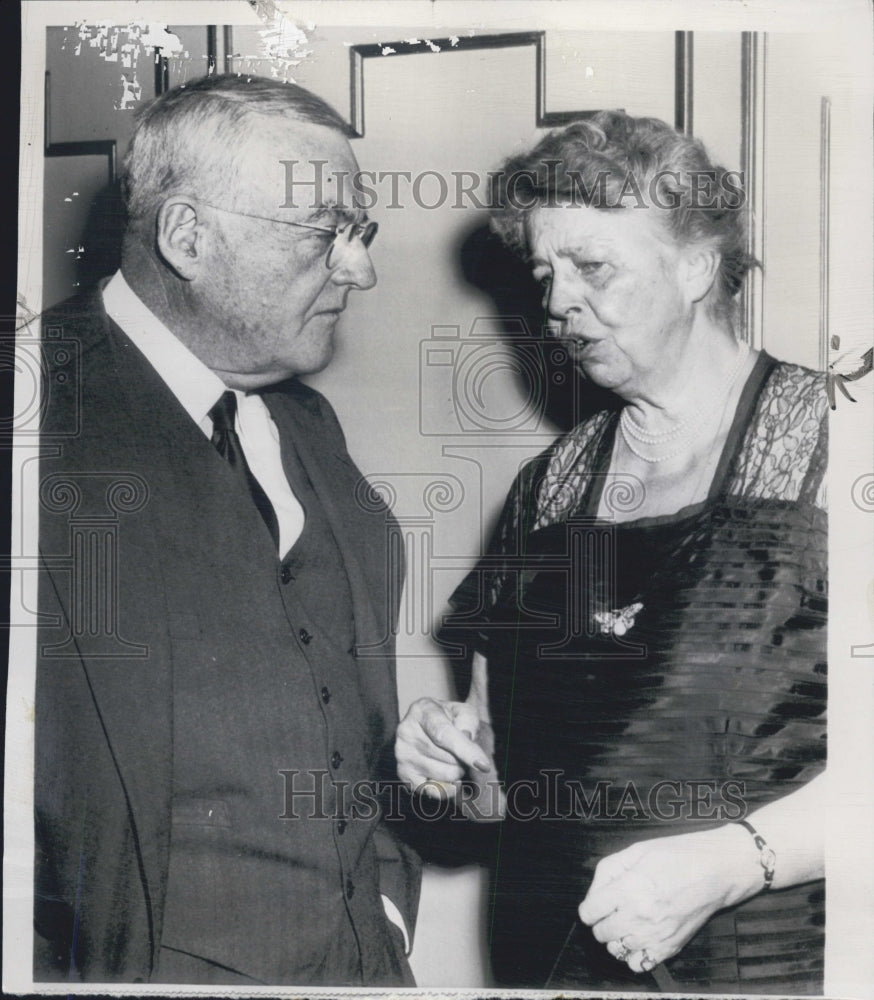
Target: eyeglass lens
[[345, 236]]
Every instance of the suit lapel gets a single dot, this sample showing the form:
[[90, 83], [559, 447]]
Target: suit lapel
[[136, 425], [116, 391], [361, 532]]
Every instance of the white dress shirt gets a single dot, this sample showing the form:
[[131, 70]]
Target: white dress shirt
[[198, 389]]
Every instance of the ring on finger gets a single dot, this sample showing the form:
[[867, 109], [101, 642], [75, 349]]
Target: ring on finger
[[622, 951], [647, 962]]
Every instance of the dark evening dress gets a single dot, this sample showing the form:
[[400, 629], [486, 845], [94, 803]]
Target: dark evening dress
[[655, 677]]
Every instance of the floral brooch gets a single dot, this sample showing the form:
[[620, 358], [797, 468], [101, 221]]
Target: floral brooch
[[618, 622]]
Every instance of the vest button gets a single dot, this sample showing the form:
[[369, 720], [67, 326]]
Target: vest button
[[304, 637], [336, 759], [326, 695], [285, 575], [341, 826], [350, 888]]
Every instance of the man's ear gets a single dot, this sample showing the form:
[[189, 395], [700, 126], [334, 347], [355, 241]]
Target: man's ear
[[701, 266], [180, 238]]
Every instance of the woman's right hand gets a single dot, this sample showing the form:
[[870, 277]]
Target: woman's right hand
[[436, 742]]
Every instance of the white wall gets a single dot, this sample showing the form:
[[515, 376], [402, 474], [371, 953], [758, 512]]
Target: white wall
[[800, 71]]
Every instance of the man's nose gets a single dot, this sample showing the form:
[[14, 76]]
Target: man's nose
[[356, 268]]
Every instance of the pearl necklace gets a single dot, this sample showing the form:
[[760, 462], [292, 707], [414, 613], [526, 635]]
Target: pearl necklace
[[631, 429]]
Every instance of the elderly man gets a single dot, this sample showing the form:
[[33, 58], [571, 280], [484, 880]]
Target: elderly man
[[216, 663]]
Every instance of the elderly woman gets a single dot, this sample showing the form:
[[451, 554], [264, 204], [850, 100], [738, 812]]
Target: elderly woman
[[649, 619]]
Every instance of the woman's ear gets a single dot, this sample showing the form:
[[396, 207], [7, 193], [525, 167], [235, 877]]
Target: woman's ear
[[701, 267], [179, 237]]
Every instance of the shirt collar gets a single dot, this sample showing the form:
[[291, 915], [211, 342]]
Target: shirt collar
[[196, 387]]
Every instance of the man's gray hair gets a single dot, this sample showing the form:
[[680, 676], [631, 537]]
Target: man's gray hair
[[193, 138]]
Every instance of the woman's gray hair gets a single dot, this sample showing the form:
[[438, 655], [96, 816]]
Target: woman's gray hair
[[613, 160], [193, 138]]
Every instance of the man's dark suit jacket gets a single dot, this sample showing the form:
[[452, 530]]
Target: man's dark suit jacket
[[146, 543]]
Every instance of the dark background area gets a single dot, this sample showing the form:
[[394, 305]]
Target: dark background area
[[10, 74]]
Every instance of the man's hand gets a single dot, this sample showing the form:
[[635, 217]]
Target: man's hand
[[647, 901], [436, 744]]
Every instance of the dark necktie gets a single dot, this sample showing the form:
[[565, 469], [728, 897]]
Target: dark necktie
[[227, 444]]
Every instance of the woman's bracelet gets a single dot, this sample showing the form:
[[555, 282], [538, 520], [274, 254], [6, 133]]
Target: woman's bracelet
[[767, 856]]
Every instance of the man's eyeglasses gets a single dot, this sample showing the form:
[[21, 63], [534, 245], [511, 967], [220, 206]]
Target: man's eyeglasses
[[341, 235]]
